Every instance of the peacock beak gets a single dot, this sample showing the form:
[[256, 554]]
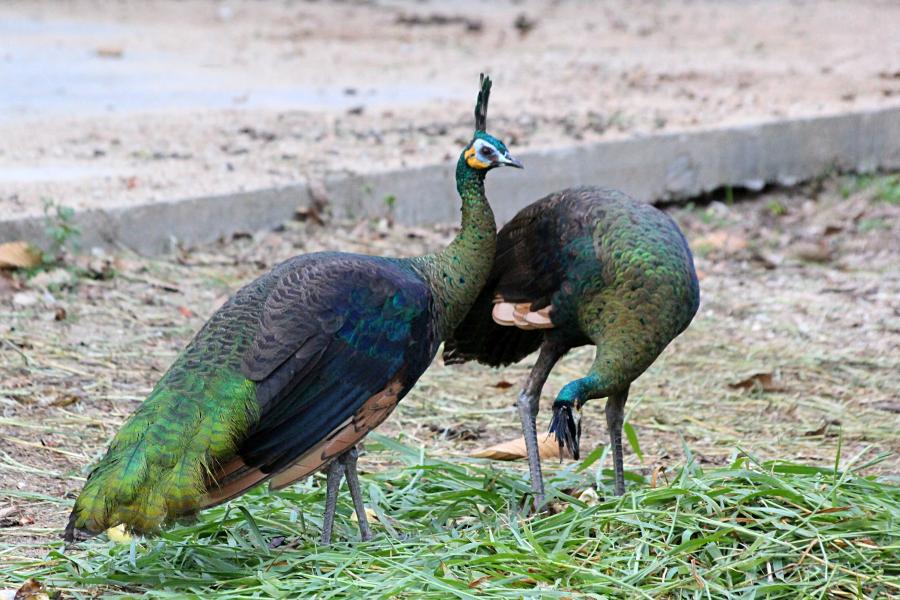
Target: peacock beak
[[509, 161]]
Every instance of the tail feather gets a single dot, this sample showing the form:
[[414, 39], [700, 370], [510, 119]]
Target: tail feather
[[478, 337], [156, 467]]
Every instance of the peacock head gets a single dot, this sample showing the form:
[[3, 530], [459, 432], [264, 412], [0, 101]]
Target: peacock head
[[486, 152]]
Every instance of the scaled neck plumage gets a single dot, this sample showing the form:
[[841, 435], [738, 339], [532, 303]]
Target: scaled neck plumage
[[458, 273]]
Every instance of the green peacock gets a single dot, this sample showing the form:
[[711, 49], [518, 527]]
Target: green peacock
[[581, 266], [292, 371]]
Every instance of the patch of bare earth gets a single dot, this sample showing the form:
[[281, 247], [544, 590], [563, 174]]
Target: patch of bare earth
[[369, 86], [794, 351]]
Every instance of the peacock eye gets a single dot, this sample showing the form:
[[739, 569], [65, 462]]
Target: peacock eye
[[487, 150]]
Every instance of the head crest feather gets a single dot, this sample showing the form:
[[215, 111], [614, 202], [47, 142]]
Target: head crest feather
[[481, 106]]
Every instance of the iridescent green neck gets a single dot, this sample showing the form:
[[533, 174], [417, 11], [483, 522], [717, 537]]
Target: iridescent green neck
[[458, 273]]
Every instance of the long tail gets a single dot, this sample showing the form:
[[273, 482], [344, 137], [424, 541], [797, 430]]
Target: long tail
[[157, 465]]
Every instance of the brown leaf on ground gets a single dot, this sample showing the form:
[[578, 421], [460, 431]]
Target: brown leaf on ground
[[503, 384], [185, 311], [515, 449], [309, 213], [65, 400], [371, 515], [764, 381], [820, 251], [19, 255], [32, 590], [728, 242], [9, 516], [823, 430], [769, 260]]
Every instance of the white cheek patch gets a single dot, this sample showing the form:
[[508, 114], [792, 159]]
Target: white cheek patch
[[480, 145]]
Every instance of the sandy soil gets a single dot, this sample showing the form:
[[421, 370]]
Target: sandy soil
[[796, 344], [119, 103]]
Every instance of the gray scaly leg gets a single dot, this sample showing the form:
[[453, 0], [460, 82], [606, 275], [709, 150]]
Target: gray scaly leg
[[349, 459], [333, 483], [527, 415], [615, 415], [528, 405]]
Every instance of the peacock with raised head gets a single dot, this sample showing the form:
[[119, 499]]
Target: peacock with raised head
[[293, 371]]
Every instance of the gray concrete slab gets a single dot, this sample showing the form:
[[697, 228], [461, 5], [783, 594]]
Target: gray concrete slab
[[655, 167]]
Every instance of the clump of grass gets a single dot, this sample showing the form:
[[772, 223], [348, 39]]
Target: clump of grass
[[60, 228], [776, 208], [448, 529], [886, 187]]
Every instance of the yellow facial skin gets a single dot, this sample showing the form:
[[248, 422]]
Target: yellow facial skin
[[473, 161]]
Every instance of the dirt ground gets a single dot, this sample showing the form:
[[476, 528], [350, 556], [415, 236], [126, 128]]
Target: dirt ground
[[794, 352], [127, 102]]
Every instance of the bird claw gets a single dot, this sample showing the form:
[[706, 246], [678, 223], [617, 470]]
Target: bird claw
[[566, 428]]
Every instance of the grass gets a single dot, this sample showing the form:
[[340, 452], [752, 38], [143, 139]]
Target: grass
[[448, 529], [792, 363], [886, 186]]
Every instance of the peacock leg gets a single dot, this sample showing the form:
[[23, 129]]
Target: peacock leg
[[335, 474], [615, 415], [349, 459], [529, 403]]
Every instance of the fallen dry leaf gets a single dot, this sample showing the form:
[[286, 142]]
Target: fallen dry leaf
[[726, 241], [9, 516], [309, 213], [185, 311], [820, 251], [589, 497], [503, 384], [823, 430], [65, 400], [515, 449], [32, 590], [654, 477], [769, 260], [371, 515], [764, 381], [19, 255]]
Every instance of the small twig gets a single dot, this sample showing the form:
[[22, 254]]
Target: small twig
[[28, 361]]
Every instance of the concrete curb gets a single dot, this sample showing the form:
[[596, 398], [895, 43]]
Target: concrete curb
[[655, 167]]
